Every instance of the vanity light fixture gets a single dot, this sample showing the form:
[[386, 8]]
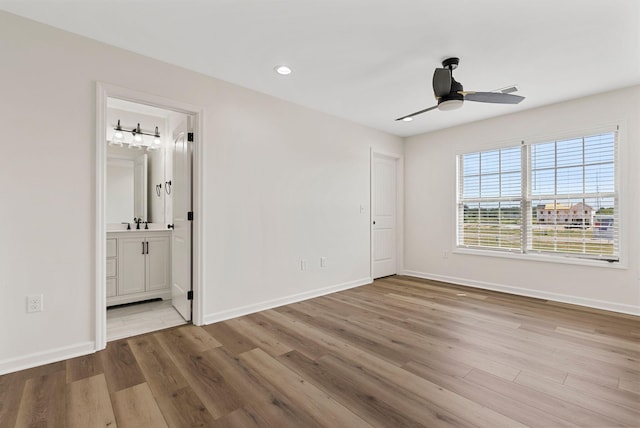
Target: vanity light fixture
[[137, 137], [283, 70], [118, 136]]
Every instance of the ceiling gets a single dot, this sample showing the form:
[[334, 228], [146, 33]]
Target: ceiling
[[371, 61]]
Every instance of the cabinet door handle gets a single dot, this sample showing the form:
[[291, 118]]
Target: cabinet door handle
[[147, 247], [142, 247]]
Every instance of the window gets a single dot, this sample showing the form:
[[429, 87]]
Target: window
[[555, 197], [491, 194]]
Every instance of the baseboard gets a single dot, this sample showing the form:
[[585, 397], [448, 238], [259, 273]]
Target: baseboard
[[556, 297], [270, 304], [41, 358]]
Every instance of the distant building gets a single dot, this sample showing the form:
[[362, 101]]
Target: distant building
[[569, 215]]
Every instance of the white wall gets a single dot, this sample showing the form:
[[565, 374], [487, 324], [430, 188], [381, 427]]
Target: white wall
[[430, 198], [281, 182]]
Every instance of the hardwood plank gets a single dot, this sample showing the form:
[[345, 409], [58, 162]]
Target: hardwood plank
[[160, 372], [292, 338], [43, 401], [229, 338], [496, 400], [304, 394], [11, 388], [272, 406], [629, 385], [203, 377], [258, 335], [577, 396], [120, 366], [135, 407], [244, 417], [622, 397], [89, 404], [83, 367], [183, 408], [377, 402], [569, 412], [441, 397], [196, 337]]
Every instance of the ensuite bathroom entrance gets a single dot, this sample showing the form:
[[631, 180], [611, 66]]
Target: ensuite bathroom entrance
[[148, 218]]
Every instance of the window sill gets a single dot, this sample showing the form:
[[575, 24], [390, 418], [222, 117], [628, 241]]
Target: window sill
[[542, 258]]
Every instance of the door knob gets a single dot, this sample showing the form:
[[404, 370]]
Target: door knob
[[170, 226], [374, 222]]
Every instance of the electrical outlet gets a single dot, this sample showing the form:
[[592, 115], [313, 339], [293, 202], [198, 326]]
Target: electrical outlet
[[445, 254], [34, 303], [323, 262], [303, 264]]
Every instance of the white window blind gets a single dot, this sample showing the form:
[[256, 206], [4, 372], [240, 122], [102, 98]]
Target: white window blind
[[490, 208], [558, 197], [573, 197]]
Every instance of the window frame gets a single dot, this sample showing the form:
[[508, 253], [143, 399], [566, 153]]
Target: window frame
[[526, 252]]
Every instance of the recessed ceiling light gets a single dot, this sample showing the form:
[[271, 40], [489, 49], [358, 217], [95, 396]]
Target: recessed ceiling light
[[407, 119], [283, 70]]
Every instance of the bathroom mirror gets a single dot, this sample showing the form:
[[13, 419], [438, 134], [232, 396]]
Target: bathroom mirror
[[137, 179], [127, 195]]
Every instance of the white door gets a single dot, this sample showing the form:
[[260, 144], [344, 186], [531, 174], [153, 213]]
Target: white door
[[383, 215], [181, 245]]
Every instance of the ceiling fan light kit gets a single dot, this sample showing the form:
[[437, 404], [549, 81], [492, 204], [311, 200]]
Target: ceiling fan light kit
[[450, 93]]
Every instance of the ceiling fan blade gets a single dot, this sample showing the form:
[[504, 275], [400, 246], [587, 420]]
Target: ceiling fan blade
[[417, 113], [492, 97], [441, 82]]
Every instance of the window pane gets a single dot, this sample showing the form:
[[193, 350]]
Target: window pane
[[569, 152], [492, 225], [471, 164], [510, 159], [599, 178], [471, 187], [599, 148], [543, 156], [511, 184], [490, 186], [543, 182], [570, 180], [490, 162]]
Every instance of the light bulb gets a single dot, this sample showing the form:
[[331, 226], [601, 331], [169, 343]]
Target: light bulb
[[283, 70]]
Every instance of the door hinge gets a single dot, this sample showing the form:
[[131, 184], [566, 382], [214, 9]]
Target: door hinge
[[190, 137], [190, 295], [190, 216]]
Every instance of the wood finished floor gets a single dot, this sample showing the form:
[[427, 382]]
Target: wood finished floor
[[400, 352]]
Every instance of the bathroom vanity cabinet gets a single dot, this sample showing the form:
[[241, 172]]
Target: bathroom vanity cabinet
[[138, 266]]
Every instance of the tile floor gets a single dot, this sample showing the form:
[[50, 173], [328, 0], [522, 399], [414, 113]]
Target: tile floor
[[131, 320]]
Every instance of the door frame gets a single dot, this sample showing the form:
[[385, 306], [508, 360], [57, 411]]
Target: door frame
[[399, 160], [104, 91]]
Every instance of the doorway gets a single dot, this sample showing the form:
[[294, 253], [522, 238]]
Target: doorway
[[386, 214], [147, 265]]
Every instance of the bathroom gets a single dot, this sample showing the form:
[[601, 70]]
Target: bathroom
[[148, 248]]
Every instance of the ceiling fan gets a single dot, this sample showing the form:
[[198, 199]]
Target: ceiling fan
[[450, 94]]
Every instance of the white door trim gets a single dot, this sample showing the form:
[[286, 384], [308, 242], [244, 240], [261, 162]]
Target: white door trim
[[399, 208], [104, 91]]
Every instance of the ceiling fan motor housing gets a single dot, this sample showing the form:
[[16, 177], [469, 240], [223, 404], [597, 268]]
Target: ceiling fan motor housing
[[454, 93]]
